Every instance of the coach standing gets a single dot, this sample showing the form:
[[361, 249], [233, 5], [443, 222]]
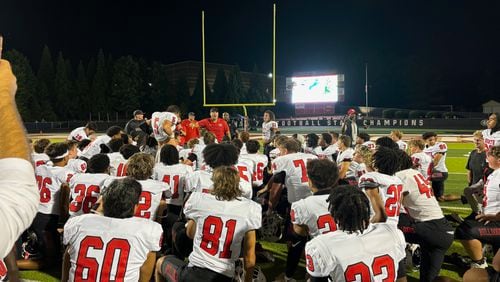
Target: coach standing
[[135, 123], [216, 125], [18, 191], [349, 126]]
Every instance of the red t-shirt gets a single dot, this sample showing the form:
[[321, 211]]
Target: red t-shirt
[[192, 129], [218, 128]]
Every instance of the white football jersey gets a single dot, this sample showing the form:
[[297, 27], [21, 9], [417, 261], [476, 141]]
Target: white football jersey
[[402, 145], [491, 140], [85, 190], [491, 200], [296, 181], [390, 190], [373, 255], [201, 181], [220, 229], [184, 153], [313, 213], [420, 202], [157, 121], [274, 153], [359, 169], [198, 151], [152, 192], [108, 182], [370, 144], [112, 249], [423, 163], [267, 129], [49, 180], [261, 162], [243, 150], [94, 147], [347, 156], [77, 165], [117, 164], [175, 177], [39, 159], [245, 168], [329, 151], [78, 134], [439, 147]]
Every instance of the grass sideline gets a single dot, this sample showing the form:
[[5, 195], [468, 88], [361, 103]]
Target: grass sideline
[[456, 160]]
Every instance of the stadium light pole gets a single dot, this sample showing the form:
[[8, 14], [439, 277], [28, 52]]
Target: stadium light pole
[[366, 89], [203, 56]]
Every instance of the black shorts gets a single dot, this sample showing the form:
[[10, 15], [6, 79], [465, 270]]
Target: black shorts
[[174, 269], [472, 229]]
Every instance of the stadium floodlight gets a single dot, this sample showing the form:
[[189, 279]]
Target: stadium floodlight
[[271, 75]]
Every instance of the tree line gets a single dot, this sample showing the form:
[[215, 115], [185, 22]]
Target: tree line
[[107, 88]]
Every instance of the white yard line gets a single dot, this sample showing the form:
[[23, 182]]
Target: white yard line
[[456, 208]]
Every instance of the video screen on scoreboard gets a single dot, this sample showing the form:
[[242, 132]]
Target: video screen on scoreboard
[[314, 89]]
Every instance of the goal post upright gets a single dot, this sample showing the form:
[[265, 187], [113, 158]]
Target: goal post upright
[[243, 105]]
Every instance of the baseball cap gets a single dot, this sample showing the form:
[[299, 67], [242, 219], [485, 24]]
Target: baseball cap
[[191, 114], [351, 111], [212, 110], [138, 112]]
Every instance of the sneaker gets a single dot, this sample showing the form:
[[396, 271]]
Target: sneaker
[[479, 264], [416, 255]]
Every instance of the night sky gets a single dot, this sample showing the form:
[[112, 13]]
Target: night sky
[[418, 52]]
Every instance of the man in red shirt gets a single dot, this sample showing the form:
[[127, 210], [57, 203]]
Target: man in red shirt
[[216, 125], [191, 127]]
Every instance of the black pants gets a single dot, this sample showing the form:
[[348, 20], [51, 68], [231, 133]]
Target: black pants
[[438, 185], [45, 226], [434, 237], [472, 229], [173, 269]]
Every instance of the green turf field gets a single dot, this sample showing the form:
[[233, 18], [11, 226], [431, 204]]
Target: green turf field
[[457, 180]]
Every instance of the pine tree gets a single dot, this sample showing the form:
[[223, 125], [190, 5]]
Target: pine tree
[[234, 92], [46, 75], [26, 101], [196, 100], [256, 92], [182, 92], [160, 87], [82, 89], [46, 111], [100, 86], [91, 68], [220, 88], [62, 88], [125, 85]]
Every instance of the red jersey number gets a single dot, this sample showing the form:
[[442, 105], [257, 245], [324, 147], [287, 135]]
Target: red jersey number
[[212, 232], [360, 270], [83, 262], [84, 200], [423, 185], [326, 224], [302, 165], [393, 203], [174, 184], [45, 194], [144, 205], [121, 170]]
